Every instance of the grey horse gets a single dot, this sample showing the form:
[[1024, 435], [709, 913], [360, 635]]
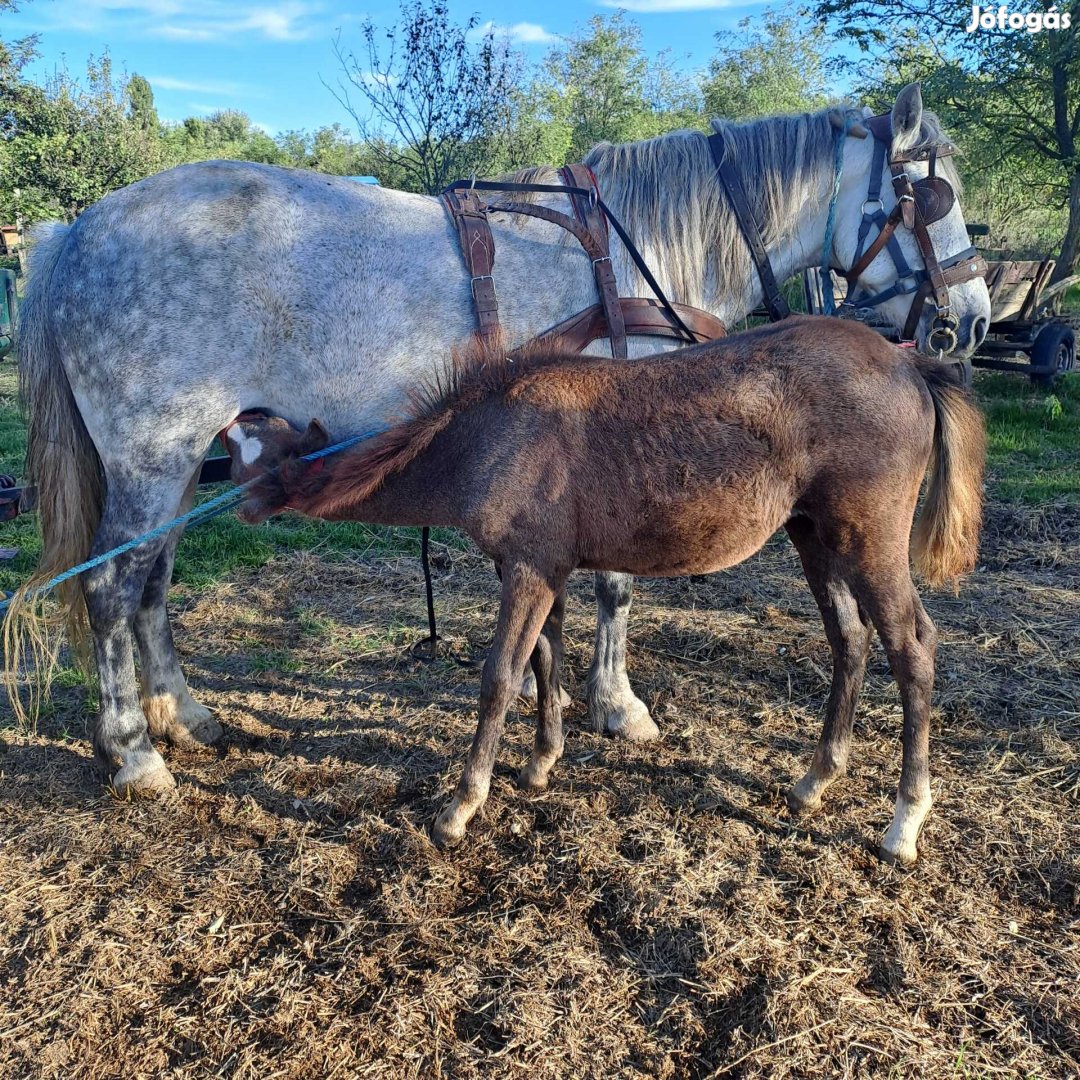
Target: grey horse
[[178, 302]]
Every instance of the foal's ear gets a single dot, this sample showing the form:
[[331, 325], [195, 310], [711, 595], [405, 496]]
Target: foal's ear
[[315, 438], [907, 112]]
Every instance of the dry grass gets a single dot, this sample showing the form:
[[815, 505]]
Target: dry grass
[[656, 913]]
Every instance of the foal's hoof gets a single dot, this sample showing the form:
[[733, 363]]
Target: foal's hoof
[[805, 796], [898, 846], [144, 775], [448, 830]]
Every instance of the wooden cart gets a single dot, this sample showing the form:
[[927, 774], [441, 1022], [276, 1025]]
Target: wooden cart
[[1026, 334]]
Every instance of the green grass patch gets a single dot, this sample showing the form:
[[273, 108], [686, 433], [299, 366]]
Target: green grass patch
[[1034, 438]]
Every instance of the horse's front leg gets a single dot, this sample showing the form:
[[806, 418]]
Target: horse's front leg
[[613, 705], [527, 597]]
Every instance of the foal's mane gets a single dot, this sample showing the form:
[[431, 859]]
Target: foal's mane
[[476, 373], [665, 191]]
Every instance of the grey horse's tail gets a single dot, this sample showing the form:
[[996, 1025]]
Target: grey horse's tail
[[61, 461]]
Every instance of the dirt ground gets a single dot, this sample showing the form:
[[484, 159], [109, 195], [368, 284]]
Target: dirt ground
[[655, 913]]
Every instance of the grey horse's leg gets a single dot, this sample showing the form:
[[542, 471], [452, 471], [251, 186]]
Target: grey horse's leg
[[849, 635], [546, 663], [113, 592], [171, 712], [526, 601], [612, 703]]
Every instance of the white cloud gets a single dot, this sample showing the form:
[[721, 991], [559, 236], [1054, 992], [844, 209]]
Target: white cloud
[[522, 33], [662, 6], [167, 82], [188, 20], [212, 20]]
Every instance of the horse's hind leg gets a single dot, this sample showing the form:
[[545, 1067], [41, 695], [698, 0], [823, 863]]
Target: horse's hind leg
[[849, 636], [546, 663], [888, 594], [113, 594], [526, 601], [612, 703], [171, 712]]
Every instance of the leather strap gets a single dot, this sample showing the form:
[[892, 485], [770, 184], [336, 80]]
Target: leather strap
[[478, 250], [591, 217], [881, 128], [613, 221], [589, 226], [641, 317], [775, 303]]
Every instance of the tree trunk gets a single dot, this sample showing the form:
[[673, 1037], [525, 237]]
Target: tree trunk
[[1069, 259]]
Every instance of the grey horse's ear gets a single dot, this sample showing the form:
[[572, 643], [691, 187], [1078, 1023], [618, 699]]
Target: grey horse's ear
[[837, 117], [315, 438], [907, 112]]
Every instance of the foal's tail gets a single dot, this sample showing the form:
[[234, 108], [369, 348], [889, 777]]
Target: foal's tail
[[62, 462], [946, 538]]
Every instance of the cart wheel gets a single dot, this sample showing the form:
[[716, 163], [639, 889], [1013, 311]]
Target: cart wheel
[[1052, 353]]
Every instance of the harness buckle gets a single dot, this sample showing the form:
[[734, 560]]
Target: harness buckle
[[602, 259], [872, 202], [482, 277]]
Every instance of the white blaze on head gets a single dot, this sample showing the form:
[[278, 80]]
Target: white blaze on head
[[250, 448]]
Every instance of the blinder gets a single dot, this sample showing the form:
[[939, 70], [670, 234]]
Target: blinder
[[934, 198]]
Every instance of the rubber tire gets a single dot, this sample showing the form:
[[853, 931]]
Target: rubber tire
[[1052, 353]]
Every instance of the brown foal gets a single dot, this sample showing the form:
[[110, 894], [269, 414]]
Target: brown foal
[[684, 463]]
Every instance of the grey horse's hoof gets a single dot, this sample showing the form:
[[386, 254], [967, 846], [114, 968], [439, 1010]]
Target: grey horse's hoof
[[181, 720], [195, 733], [528, 690], [903, 857], [146, 774], [628, 719]]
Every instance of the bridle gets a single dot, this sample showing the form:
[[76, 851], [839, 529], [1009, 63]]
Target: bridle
[[919, 204]]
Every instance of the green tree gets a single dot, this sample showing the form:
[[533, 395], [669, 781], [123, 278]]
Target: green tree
[[773, 63], [66, 143], [599, 85], [141, 104], [227, 133], [433, 103], [1019, 89]]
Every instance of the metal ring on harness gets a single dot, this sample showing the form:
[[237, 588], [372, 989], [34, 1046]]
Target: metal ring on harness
[[942, 334]]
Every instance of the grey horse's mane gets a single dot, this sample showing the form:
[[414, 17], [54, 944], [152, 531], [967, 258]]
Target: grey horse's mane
[[666, 187]]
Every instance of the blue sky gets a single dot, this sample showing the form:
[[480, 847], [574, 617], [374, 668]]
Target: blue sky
[[268, 59]]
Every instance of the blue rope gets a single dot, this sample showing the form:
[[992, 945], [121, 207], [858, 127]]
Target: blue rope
[[830, 226], [196, 515]]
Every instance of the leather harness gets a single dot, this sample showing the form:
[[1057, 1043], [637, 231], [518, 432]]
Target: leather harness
[[775, 303], [918, 205], [614, 317]]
